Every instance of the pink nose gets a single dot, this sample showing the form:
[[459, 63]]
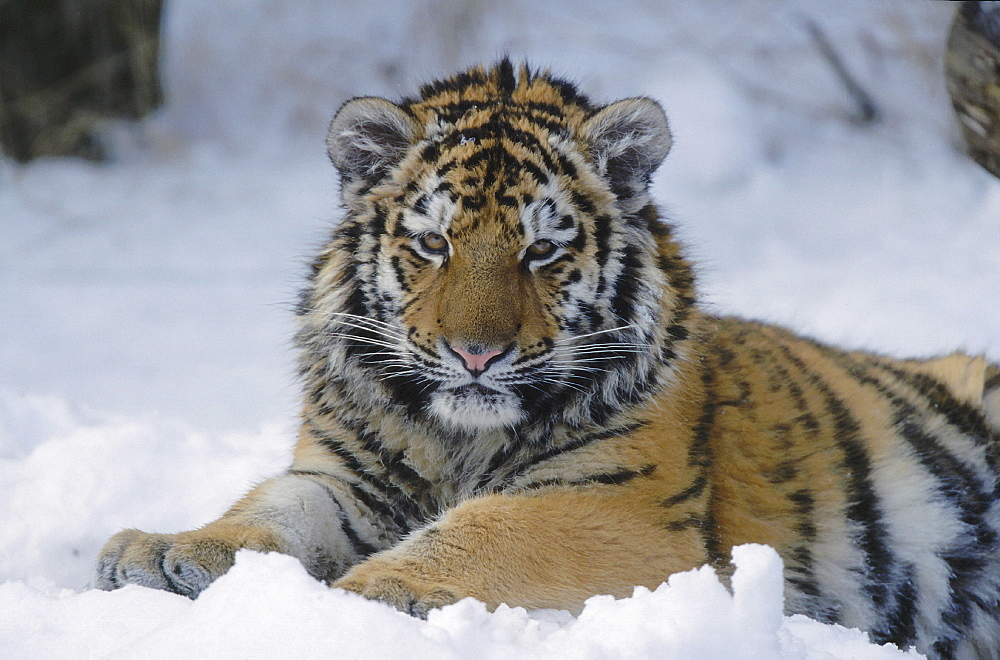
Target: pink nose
[[475, 362]]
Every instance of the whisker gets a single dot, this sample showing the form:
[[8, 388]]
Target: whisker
[[600, 346], [387, 332], [572, 386], [578, 364], [589, 360], [364, 340], [369, 321], [567, 380], [591, 334], [376, 331], [603, 351], [583, 372], [550, 382]]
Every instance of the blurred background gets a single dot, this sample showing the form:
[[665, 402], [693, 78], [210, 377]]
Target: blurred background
[[818, 174]]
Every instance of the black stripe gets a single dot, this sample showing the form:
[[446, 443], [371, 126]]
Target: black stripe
[[561, 165], [404, 513], [602, 235], [360, 547], [676, 331], [959, 414], [407, 503], [570, 94], [538, 403], [804, 507], [594, 321], [903, 621], [570, 446], [583, 203], [551, 124], [497, 154], [506, 79], [784, 472], [502, 456], [696, 488], [692, 521], [378, 221], [651, 215], [337, 448], [627, 284], [971, 557], [616, 478], [700, 455], [392, 461], [537, 173], [430, 152], [396, 264], [376, 505], [863, 507], [959, 483], [700, 451]]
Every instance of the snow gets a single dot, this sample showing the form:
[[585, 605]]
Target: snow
[[146, 374], [283, 612]]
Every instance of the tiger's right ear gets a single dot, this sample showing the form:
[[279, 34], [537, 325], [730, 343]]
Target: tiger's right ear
[[368, 136]]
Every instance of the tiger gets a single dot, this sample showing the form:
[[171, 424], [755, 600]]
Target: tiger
[[512, 392]]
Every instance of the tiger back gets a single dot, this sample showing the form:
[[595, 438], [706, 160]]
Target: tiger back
[[511, 393]]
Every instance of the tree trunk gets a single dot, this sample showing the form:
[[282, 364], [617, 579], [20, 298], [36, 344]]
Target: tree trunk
[[66, 65]]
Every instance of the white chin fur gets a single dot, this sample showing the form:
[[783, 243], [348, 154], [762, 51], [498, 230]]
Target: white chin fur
[[476, 412]]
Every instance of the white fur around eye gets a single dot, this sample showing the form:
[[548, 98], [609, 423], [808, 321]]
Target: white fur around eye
[[436, 215], [546, 220], [545, 217]]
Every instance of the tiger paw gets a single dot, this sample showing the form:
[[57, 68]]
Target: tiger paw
[[181, 563], [376, 580]]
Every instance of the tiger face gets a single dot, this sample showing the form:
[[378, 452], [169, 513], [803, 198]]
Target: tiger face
[[502, 256]]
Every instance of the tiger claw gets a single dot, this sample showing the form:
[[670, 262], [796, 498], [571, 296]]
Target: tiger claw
[[158, 561], [409, 597]]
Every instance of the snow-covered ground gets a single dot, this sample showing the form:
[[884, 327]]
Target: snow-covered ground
[[145, 305]]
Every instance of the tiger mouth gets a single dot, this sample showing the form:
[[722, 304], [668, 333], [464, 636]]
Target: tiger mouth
[[477, 390]]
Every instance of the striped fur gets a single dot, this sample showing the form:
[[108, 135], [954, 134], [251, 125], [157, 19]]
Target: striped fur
[[511, 394]]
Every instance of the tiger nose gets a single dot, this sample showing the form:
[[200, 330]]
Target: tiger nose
[[476, 363]]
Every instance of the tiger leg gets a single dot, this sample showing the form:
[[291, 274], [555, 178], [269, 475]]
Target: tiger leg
[[545, 550], [307, 516]]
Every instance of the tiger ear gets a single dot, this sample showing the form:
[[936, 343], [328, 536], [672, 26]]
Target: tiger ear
[[368, 136], [628, 141]]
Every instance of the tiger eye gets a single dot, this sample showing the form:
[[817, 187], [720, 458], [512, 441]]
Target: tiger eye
[[540, 249], [434, 243]]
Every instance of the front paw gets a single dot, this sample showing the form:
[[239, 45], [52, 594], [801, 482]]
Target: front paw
[[407, 591], [181, 563]]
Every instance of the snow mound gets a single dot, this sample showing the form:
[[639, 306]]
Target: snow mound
[[267, 606], [71, 477]]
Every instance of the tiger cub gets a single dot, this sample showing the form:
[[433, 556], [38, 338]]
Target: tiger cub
[[511, 393]]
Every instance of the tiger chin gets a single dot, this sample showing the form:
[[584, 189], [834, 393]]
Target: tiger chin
[[511, 393]]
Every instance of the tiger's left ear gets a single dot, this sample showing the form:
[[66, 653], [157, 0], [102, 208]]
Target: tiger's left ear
[[628, 141]]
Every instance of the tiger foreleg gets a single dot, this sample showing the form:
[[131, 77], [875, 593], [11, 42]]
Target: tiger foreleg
[[309, 517], [551, 549]]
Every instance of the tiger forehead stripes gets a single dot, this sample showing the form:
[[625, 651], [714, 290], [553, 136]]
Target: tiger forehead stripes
[[510, 393]]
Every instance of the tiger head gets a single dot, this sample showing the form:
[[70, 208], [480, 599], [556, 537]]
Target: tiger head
[[500, 262]]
